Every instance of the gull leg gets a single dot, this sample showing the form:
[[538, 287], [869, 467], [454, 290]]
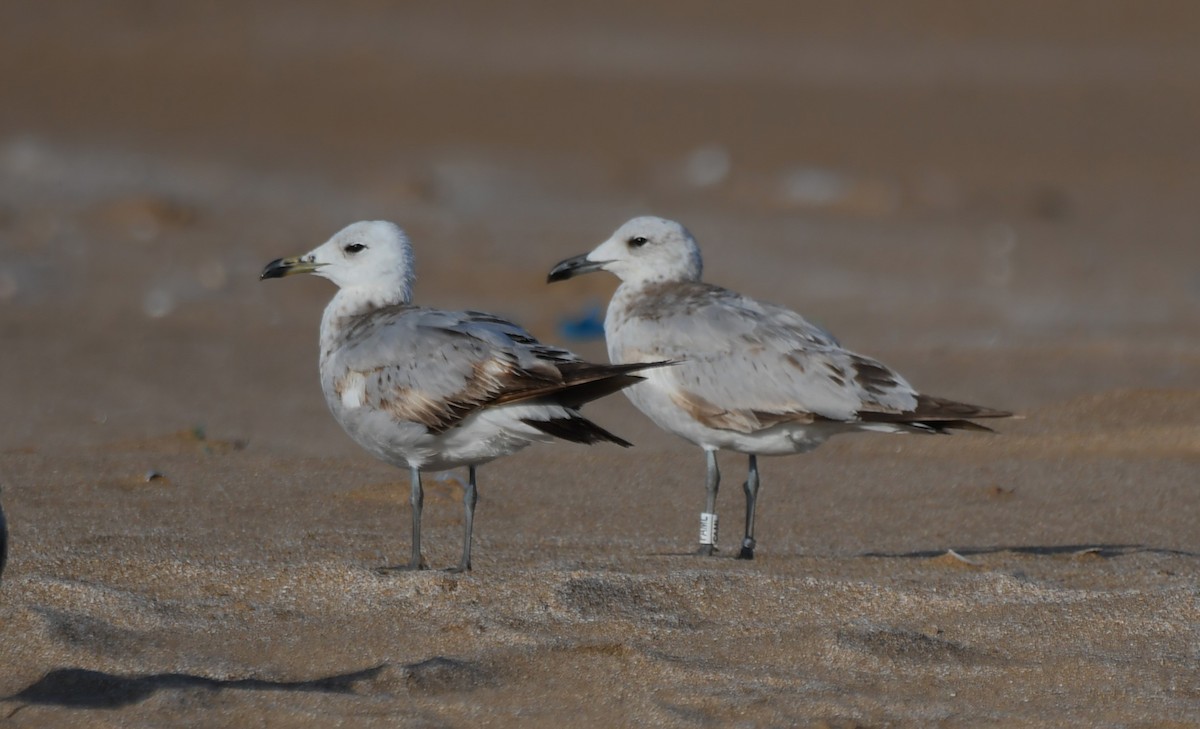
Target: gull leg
[[417, 499], [470, 498], [708, 520], [751, 489]]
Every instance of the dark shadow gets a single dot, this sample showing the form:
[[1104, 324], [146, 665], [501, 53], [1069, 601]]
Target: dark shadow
[[1100, 550], [692, 553], [3, 542], [84, 689]]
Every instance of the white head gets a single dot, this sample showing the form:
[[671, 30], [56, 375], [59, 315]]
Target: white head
[[644, 250], [373, 258]]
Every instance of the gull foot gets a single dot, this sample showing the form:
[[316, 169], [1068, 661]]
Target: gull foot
[[747, 549], [410, 567]]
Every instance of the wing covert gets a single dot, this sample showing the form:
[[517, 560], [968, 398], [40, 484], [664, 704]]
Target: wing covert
[[437, 367], [747, 365]]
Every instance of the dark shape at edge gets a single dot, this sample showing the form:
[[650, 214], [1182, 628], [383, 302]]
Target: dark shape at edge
[[83, 688], [3, 542]]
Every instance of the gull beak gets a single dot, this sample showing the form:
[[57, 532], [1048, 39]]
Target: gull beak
[[281, 267], [572, 267]]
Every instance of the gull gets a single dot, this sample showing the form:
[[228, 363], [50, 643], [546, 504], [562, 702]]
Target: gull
[[751, 377], [427, 389]]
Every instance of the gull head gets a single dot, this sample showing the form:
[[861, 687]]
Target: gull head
[[642, 251], [373, 256]]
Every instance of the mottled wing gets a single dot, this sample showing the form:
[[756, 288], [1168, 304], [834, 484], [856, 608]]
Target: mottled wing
[[437, 367], [747, 365]]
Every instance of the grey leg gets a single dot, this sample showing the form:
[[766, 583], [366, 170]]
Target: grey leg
[[751, 489], [417, 499], [712, 484], [470, 498]]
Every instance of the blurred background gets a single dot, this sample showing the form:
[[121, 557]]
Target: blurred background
[[999, 199]]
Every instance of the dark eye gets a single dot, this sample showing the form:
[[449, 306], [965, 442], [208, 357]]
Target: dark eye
[[354, 248], [637, 242]]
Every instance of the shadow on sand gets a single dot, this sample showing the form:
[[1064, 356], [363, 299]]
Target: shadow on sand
[[80, 688], [1099, 550], [84, 689]]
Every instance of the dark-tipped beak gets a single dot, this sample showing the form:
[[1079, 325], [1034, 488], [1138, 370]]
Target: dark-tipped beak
[[281, 267], [571, 267]]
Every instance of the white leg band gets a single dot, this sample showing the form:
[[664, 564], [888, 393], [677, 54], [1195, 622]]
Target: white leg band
[[708, 528]]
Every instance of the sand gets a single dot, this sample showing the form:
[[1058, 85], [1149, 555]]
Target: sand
[[1001, 205]]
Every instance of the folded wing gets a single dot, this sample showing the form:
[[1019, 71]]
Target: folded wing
[[746, 365], [437, 368]]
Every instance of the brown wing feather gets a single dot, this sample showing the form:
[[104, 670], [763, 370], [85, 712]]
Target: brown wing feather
[[498, 381], [742, 421], [581, 383], [436, 367]]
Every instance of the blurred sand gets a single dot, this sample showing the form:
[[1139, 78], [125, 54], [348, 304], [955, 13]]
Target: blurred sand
[[999, 203]]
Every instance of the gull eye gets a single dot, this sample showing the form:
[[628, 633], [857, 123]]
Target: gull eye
[[638, 242], [354, 248]]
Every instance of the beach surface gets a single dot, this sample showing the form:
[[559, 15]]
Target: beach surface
[[999, 204]]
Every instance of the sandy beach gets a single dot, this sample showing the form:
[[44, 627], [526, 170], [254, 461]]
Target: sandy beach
[[999, 204]]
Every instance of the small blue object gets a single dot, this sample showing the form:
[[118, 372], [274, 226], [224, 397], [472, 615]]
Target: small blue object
[[588, 324]]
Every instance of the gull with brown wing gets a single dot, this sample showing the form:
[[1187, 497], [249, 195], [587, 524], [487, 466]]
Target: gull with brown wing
[[751, 377], [427, 389]]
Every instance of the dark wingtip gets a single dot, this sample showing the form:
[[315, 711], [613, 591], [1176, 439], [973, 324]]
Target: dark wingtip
[[939, 415], [576, 429], [944, 426], [660, 363]]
